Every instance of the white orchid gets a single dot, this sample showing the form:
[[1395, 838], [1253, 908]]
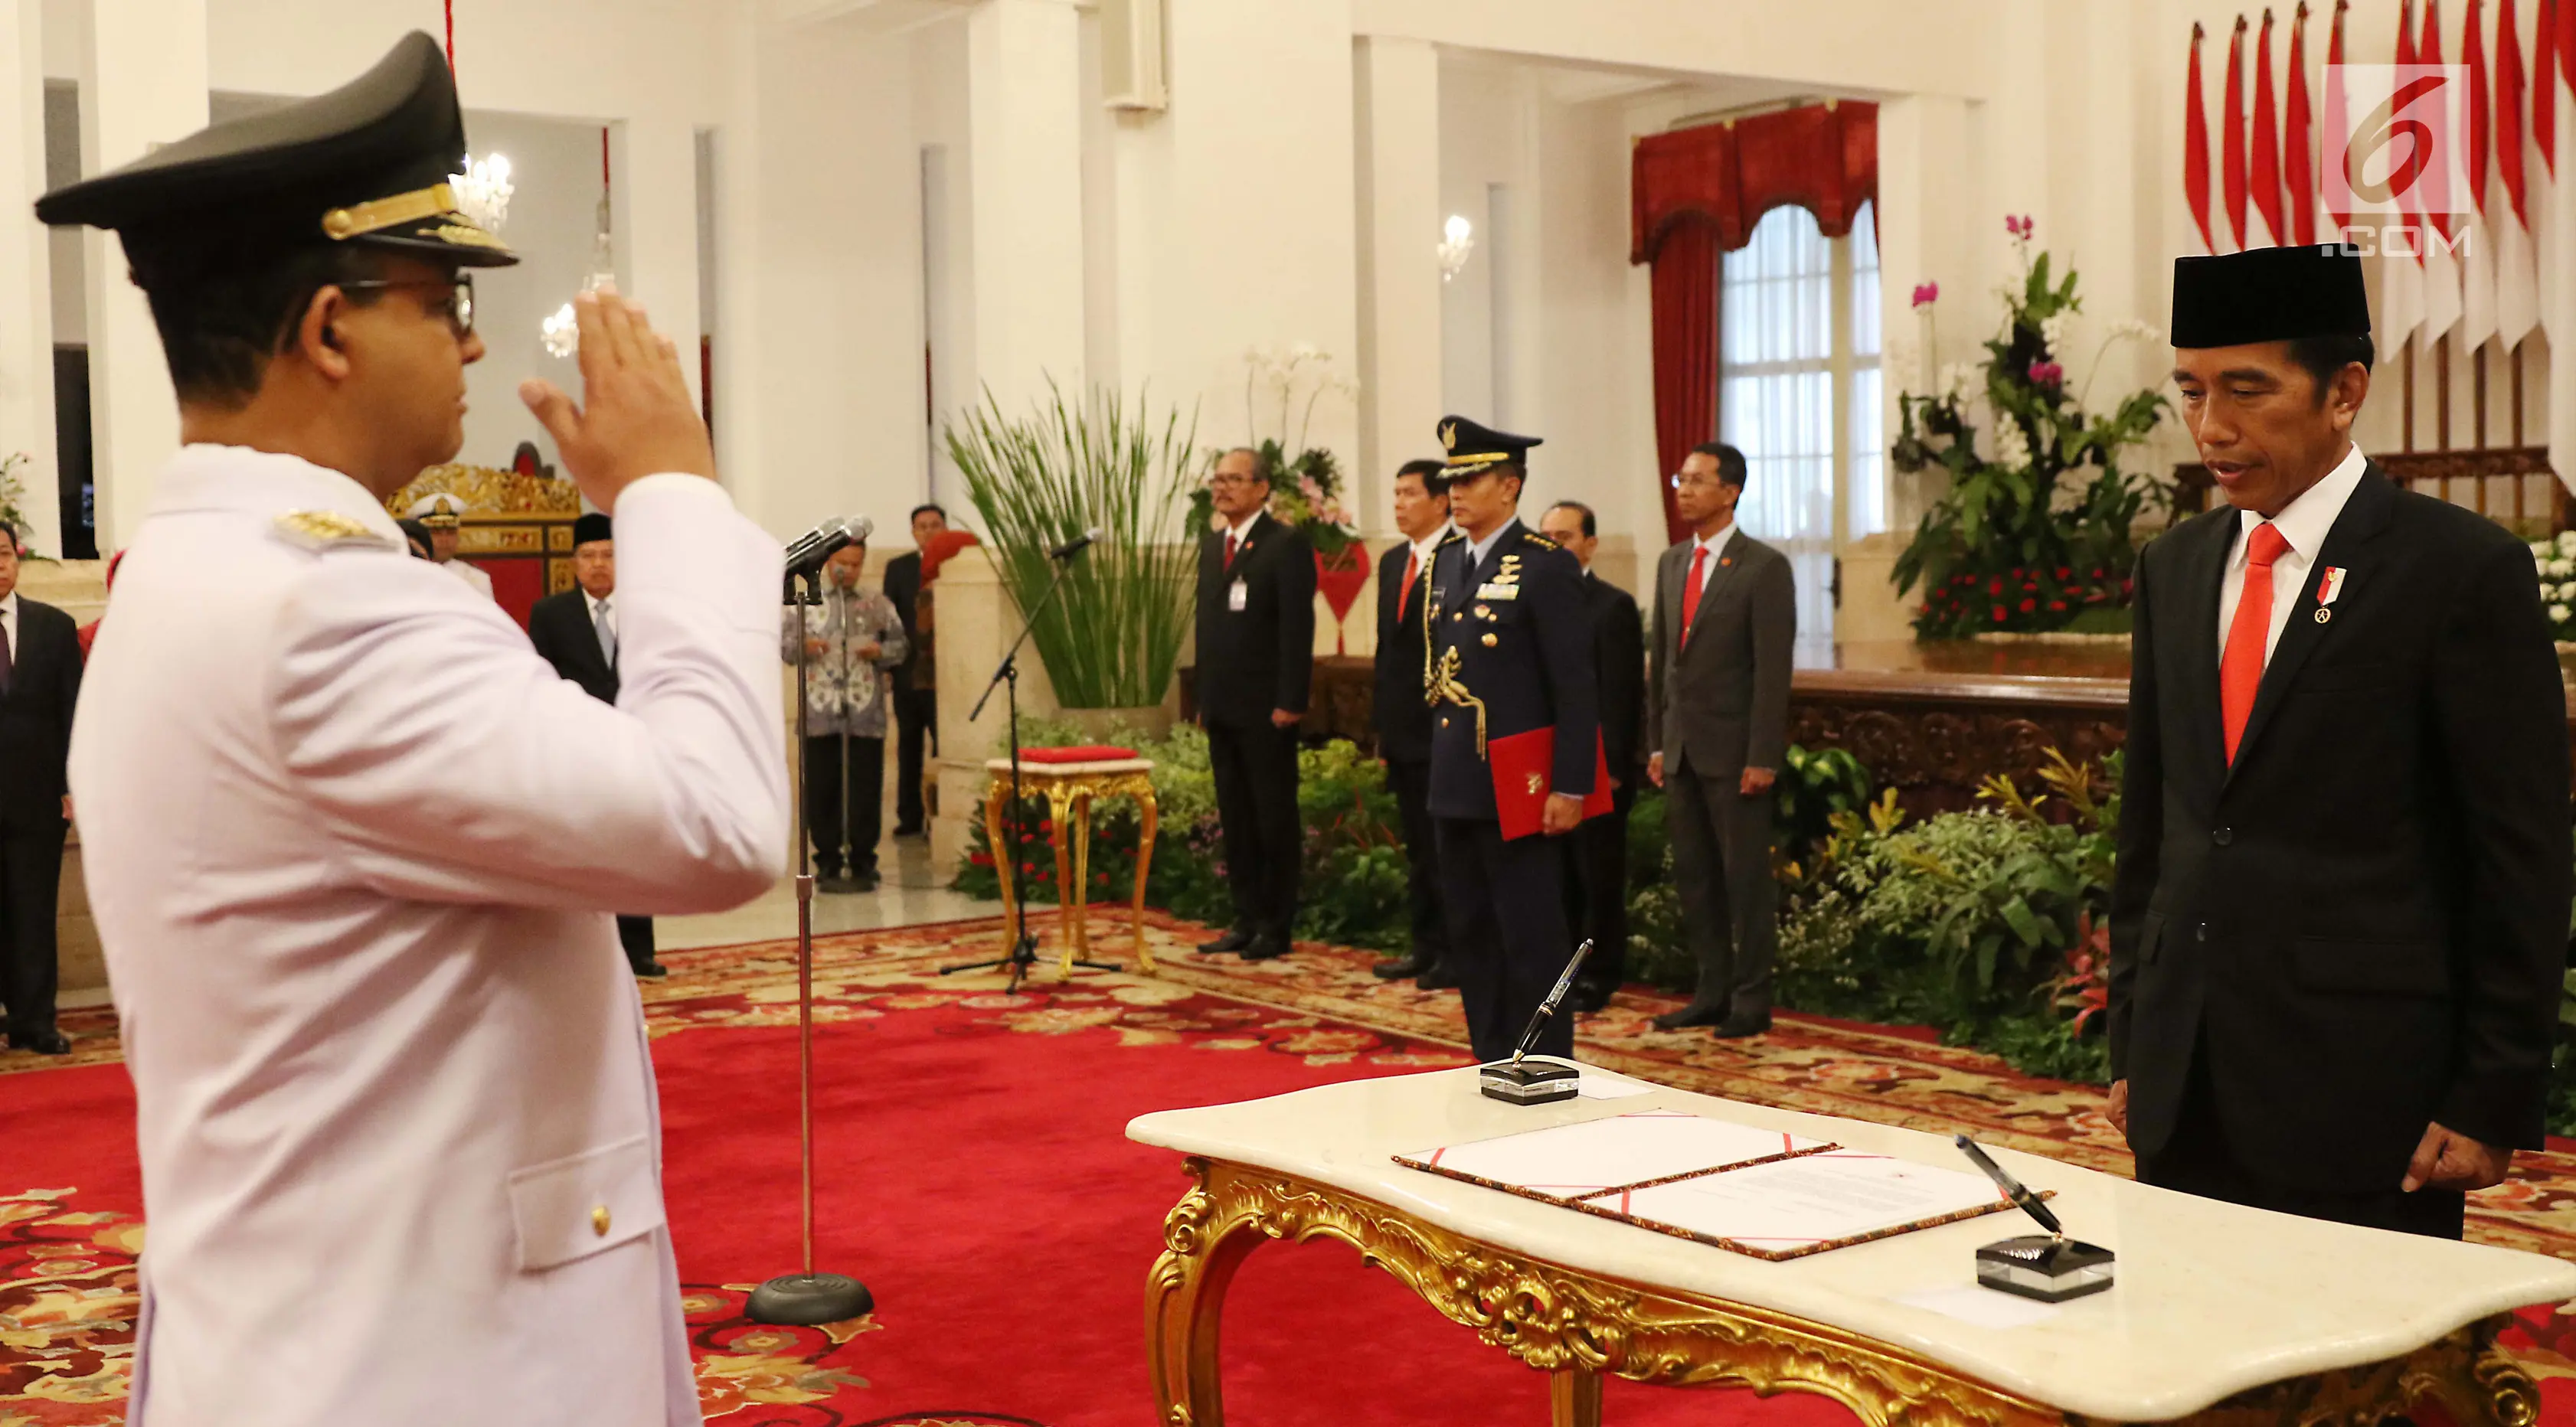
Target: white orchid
[[2131, 329], [2558, 614], [1955, 379], [2052, 330], [2562, 567], [2567, 542], [2012, 446]]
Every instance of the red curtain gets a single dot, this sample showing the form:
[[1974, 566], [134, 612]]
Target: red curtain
[[1695, 193]]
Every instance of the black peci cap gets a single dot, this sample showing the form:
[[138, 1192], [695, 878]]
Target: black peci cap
[[1471, 447], [367, 163], [590, 526], [2269, 295]]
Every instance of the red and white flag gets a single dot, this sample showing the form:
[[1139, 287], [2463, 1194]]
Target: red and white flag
[[2298, 140], [2441, 229], [2517, 258], [2231, 138], [2401, 276], [2263, 167], [2477, 257], [2195, 148]]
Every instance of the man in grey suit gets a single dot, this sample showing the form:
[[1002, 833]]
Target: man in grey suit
[[1717, 726]]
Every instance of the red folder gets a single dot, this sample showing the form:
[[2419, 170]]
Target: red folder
[[1523, 765]]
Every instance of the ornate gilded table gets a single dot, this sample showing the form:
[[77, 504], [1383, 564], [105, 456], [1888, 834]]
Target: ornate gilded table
[[1069, 789], [2223, 1316]]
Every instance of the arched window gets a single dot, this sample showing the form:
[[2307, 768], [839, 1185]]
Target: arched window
[[1798, 394]]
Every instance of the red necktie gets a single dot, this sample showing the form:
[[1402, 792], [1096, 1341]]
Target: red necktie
[[1690, 590], [1229, 549], [1404, 592], [2240, 669]]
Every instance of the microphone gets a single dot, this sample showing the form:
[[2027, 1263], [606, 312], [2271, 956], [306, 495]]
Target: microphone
[[819, 544], [1077, 545]]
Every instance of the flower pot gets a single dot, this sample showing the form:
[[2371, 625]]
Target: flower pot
[[1112, 725]]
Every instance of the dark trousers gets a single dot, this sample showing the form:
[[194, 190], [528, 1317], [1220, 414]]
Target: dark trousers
[[1596, 887], [1722, 868], [916, 715], [1507, 936], [2198, 1160], [1412, 784], [828, 787], [1256, 804], [31, 873], [636, 935]]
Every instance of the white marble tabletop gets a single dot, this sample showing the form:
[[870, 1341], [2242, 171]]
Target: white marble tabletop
[[2211, 1298]]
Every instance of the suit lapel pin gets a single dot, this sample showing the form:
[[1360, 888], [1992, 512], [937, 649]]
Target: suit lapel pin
[[2327, 589], [1725, 559]]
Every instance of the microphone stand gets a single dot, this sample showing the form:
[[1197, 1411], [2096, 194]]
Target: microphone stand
[[808, 1298], [1024, 943]]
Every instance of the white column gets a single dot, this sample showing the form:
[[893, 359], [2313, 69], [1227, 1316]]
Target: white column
[[26, 310], [1923, 169], [1025, 120], [653, 210], [144, 84], [1399, 317]]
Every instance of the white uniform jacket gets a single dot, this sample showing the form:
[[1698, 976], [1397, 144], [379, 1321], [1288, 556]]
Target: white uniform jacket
[[353, 848], [473, 576]]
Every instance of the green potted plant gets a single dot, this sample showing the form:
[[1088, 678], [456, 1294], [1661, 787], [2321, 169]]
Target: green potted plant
[[1111, 639]]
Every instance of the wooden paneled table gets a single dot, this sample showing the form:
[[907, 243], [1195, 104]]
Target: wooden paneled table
[[2221, 1315], [1069, 789]]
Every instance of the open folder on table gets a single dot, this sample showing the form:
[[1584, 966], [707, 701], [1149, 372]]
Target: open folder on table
[[1766, 1193]]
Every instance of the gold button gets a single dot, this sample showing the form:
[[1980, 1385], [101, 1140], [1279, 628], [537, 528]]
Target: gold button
[[1444, 721], [599, 1220], [1490, 640]]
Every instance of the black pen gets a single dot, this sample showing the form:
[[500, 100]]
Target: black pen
[[2013, 1189], [1547, 1007]]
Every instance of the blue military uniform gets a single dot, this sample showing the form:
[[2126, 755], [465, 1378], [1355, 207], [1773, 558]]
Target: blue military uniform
[[1506, 650]]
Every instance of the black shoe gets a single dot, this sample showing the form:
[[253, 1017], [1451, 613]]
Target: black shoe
[[653, 970], [1438, 978], [1403, 966], [1690, 1015], [841, 886], [912, 832], [1587, 997], [1235, 940], [41, 1042], [1736, 1028], [1264, 947]]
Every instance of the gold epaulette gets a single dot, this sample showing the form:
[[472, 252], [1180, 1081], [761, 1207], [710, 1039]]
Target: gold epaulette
[[1541, 541], [325, 530]]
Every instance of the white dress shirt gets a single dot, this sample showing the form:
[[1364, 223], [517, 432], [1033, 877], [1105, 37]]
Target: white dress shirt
[[1715, 545], [2303, 523], [1423, 547], [9, 625]]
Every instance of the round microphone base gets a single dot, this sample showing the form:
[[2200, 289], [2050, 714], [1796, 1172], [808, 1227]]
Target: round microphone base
[[803, 1300]]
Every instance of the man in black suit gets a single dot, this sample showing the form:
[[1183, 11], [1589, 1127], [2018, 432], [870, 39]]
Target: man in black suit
[[576, 631], [1596, 881], [1404, 722], [1509, 657], [40, 674], [1256, 660], [916, 711], [2339, 921], [1717, 731]]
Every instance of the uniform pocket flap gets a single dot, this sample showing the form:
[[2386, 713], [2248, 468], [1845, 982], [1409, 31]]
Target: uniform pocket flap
[[2399, 968], [578, 1205]]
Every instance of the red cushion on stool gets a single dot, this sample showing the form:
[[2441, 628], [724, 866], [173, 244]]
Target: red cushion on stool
[[1089, 753]]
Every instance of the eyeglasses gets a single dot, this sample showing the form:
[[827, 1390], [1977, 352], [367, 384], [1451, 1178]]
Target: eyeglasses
[[1231, 479], [1696, 483], [457, 307]]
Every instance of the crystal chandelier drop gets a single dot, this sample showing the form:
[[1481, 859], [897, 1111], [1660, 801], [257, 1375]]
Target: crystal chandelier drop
[[1458, 239], [483, 191], [562, 331]]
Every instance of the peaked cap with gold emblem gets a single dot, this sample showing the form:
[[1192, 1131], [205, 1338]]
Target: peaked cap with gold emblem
[[366, 164], [1472, 447]]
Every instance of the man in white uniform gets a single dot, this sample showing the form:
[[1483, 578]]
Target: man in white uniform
[[443, 516], [354, 847]]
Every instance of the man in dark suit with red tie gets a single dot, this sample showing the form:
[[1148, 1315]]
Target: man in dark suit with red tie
[[1404, 721], [1256, 662], [40, 677], [2340, 917]]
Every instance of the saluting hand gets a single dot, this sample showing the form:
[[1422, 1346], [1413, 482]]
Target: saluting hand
[[638, 419]]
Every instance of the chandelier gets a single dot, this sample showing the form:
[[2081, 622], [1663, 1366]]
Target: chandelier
[[1458, 239], [483, 191]]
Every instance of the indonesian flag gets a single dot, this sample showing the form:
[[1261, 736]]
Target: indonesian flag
[[2232, 137], [2517, 259], [2477, 258], [2195, 148], [2441, 269], [2401, 274], [2263, 174], [2298, 140]]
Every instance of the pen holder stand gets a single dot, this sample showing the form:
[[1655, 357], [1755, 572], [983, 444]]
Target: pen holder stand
[[2044, 1267], [1528, 1082]]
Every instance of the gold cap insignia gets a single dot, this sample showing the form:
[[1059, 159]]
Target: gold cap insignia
[[1536, 783], [322, 529], [1448, 435]]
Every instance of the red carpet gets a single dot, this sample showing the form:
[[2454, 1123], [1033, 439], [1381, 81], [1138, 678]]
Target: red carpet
[[974, 1174]]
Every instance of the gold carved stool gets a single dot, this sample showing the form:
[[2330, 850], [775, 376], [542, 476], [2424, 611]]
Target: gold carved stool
[[1068, 789]]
